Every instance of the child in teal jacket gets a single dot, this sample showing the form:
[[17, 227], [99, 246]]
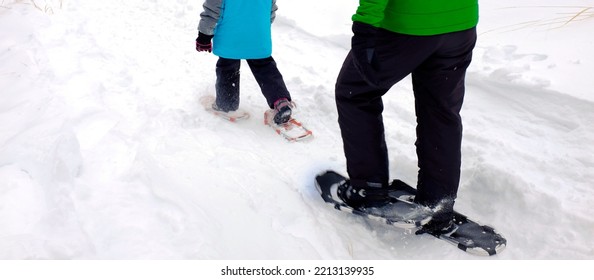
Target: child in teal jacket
[[241, 29]]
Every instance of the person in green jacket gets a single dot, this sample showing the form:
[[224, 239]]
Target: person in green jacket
[[432, 40]]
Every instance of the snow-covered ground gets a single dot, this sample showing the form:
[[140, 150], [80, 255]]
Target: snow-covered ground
[[105, 152]]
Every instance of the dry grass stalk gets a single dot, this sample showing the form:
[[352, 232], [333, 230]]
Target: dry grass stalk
[[46, 8]]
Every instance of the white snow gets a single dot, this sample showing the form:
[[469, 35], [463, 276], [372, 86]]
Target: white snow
[[105, 152]]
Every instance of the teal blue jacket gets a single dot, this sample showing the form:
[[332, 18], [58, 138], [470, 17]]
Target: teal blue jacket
[[241, 28]]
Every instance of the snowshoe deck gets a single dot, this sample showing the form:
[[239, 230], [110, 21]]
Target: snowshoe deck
[[232, 116], [292, 130], [401, 214], [468, 235]]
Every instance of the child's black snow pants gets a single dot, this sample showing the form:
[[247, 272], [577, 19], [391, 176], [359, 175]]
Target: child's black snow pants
[[266, 73]]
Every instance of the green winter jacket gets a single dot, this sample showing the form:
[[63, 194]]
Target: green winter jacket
[[419, 17]]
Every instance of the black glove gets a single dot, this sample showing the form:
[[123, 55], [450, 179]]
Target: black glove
[[203, 42], [363, 46]]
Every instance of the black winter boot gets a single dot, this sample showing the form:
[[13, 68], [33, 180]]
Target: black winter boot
[[282, 109], [362, 197]]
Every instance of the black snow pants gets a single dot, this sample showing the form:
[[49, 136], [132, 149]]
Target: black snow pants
[[266, 73], [438, 66]]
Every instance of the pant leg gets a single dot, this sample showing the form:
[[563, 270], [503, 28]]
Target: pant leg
[[227, 84], [360, 110], [269, 79], [438, 86], [360, 107]]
